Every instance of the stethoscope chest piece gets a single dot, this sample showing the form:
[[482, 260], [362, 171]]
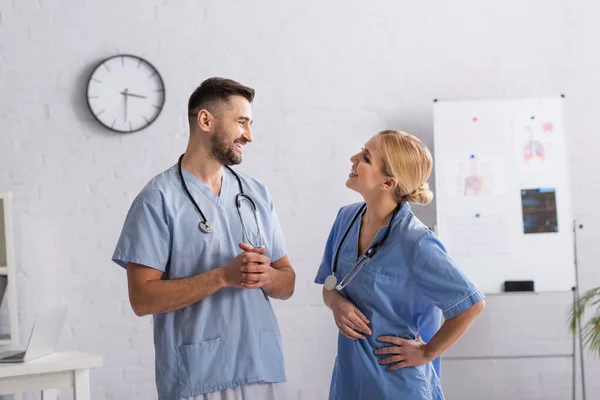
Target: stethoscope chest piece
[[206, 226], [330, 282]]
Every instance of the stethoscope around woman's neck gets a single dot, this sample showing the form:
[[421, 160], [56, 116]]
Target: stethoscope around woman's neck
[[331, 282]]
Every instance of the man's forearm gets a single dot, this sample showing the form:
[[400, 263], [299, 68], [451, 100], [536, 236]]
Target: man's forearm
[[282, 284], [161, 296]]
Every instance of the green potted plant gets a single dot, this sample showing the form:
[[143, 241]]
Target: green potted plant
[[590, 329]]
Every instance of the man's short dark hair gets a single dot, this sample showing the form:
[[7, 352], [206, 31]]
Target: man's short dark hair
[[215, 90]]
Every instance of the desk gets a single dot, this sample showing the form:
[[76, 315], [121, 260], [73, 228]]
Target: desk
[[48, 373]]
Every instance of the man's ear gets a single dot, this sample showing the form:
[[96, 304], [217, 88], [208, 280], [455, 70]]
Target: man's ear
[[205, 120]]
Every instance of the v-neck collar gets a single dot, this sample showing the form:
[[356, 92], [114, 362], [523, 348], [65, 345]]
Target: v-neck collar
[[207, 191], [375, 238], [404, 208]]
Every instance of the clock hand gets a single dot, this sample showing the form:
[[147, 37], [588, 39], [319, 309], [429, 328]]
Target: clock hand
[[125, 94], [133, 95]]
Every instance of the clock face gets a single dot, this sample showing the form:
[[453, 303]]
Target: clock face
[[125, 93]]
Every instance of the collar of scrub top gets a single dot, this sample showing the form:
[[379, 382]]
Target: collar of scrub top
[[331, 281], [207, 226]]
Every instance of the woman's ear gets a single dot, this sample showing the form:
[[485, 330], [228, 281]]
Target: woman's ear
[[390, 183]]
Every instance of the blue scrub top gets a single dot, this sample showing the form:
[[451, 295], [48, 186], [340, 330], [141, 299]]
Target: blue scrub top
[[227, 339], [403, 291]]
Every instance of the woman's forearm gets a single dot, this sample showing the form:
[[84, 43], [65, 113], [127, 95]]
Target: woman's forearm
[[329, 296], [452, 330]]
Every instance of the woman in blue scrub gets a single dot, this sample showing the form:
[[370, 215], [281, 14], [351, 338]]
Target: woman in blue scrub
[[381, 307]]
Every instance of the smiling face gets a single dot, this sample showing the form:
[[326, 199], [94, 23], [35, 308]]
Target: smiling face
[[231, 131], [367, 175], [220, 114], [392, 163]]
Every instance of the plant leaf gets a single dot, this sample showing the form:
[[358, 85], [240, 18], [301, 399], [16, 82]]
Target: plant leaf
[[590, 331]]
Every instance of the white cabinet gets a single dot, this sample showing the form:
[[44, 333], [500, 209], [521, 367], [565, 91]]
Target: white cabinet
[[9, 334]]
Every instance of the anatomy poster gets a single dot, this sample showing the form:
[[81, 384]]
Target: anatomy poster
[[535, 139], [474, 175]]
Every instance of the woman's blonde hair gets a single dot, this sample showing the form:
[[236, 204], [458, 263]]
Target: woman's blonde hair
[[408, 160]]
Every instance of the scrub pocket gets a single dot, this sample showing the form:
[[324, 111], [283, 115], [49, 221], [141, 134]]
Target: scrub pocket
[[200, 365]]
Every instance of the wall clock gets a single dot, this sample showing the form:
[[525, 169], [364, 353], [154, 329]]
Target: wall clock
[[125, 93]]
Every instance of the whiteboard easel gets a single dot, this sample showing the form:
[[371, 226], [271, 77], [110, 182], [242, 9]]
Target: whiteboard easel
[[503, 197]]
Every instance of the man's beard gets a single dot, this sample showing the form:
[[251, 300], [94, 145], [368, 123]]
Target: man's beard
[[223, 152]]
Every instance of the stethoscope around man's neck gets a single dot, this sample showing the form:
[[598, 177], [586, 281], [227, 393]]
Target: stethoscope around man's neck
[[207, 226], [331, 282]]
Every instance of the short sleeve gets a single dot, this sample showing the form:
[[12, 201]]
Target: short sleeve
[[326, 268], [440, 280], [145, 238], [278, 247]]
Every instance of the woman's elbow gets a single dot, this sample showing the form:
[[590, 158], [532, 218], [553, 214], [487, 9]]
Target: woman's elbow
[[478, 307]]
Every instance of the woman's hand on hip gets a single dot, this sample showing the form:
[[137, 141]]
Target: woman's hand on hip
[[351, 322], [403, 353]]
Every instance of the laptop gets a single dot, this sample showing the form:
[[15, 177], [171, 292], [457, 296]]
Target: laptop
[[43, 338], [3, 285]]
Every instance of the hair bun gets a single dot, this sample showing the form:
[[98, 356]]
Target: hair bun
[[421, 195]]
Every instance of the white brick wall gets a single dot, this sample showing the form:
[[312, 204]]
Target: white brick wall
[[328, 75]]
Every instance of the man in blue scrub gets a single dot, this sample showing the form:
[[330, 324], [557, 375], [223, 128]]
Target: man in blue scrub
[[203, 267]]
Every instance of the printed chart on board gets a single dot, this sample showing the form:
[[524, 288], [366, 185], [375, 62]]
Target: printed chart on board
[[503, 200]]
